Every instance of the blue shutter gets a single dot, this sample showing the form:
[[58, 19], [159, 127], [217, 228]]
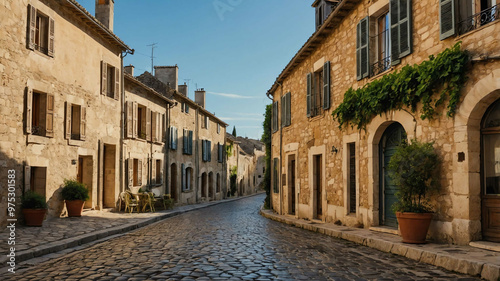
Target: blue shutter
[[203, 148], [326, 85], [209, 151], [288, 116], [176, 138], [309, 93]]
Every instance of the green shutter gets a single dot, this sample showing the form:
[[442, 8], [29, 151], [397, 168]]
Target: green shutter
[[362, 49], [309, 93], [446, 18], [326, 85]]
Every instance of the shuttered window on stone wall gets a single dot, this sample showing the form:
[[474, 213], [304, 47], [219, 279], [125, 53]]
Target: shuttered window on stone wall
[[49, 117], [190, 142], [401, 34], [209, 151], [41, 32], [309, 94], [326, 85], [173, 138], [130, 119], [285, 110], [446, 18], [39, 113], [220, 153], [362, 49]]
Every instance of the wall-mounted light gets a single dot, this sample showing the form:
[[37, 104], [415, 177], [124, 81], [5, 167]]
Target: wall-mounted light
[[334, 149], [73, 162]]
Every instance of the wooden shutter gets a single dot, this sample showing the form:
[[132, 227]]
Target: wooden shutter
[[49, 116], [135, 120], [161, 172], [171, 137], [27, 178], [32, 27], [326, 86], [208, 122], [83, 123], [183, 177], [203, 150], [148, 124], [190, 141], [283, 111], [446, 18], [67, 127], [176, 137], [404, 28], [130, 172], [209, 151], [309, 93], [362, 49], [163, 128], [104, 77], [139, 172], [154, 126], [130, 118], [29, 110], [153, 172], [50, 51], [185, 143], [116, 93], [187, 107], [289, 109], [159, 129]]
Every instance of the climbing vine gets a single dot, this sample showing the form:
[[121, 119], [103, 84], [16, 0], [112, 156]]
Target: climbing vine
[[406, 88]]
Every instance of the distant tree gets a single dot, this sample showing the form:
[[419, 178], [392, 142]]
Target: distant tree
[[266, 139], [234, 131]]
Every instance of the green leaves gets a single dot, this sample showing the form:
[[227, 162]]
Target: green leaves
[[408, 87]]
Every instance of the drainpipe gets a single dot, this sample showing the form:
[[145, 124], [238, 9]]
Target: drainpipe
[[196, 154], [270, 164], [281, 156], [123, 120]]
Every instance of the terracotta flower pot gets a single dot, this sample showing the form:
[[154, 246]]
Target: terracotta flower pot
[[34, 217], [74, 207], [414, 226]]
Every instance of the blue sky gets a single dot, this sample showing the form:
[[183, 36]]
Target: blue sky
[[234, 49]]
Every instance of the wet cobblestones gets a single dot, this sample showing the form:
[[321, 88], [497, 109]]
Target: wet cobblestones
[[229, 242]]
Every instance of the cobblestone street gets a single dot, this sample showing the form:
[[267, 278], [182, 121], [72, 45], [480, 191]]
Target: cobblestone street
[[229, 241]]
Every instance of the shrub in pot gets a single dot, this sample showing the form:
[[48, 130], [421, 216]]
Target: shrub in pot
[[75, 194], [34, 208], [414, 168]]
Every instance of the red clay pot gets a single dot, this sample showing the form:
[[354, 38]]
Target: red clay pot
[[414, 226], [74, 207], [34, 217]]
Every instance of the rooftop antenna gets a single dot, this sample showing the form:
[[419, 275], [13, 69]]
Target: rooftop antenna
[[153, 46], [187, 80]]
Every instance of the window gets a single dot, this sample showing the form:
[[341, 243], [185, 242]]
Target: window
[[187, 142], [41, 32], [382, 45], [275, 175], [75, 121], [134, 172], [173, 138], [323, 10], [457, 16], [156, 127], [274, 123], [206, 148], [285, 110], [220, 153], [351, 177], [218, 128], [39, 113], [318, 90], [184, 107], [35, 179], [205, 121], [187, 178], [158, 172], [110, 80]]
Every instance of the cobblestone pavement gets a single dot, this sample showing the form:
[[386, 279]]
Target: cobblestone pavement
[[229, 242]]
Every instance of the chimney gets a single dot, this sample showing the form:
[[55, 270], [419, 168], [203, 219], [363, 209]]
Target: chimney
[[183, 89], [169, 75], [104, 12], [129, 69], [199, 97]]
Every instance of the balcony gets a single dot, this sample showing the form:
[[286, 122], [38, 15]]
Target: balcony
[[484, 17], [382, 43]]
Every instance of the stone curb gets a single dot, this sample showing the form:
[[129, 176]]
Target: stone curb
[[389, 243], [72, 242]]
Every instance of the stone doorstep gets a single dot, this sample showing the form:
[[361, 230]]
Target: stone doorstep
[[385, 229], [428, 253], [485, 245], [71, 242]]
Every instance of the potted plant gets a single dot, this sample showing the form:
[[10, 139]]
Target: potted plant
[[75, 194], [168, 202], [34, 208], [414, 170]]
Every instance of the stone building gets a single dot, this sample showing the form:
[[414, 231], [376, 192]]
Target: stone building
[[195, 167], [324, 173], [61, 100]]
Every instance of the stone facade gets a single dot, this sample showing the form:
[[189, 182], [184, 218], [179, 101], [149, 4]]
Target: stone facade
[[319, 153], [56, 116]]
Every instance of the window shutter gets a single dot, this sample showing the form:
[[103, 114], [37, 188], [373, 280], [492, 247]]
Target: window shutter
[[32, 27], [183, 177], [283, 111], [187, 108], [317, 18], [67, 134], [50, 51], [49, 119], [104, 77], [83, 123], [176, 137], [326, 85], [130, 119], [184, 141], [27, 178], [159, 131], [153, 172], [130, 170], [289, 109], [29, 110], [161, 173], [203, 150], [154, 126], [309, 93], [208, 122], [163, 130], [171, 137], [117, 83], [362, 49], [148, 124], [139, 172], [446, 18], [209, 151], [404, 28], [190, 143], [135, 122]]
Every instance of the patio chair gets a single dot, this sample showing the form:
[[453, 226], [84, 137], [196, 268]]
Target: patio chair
[[147, 200], [130, 202]]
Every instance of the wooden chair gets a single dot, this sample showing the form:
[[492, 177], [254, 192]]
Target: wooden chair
[[130, 202], [148, 199]]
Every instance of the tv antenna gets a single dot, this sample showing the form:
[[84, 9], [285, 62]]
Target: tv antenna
[[153, 46]]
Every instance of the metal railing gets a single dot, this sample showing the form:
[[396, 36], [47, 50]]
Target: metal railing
[[37, 130], [479, 19], [380, 66], [382, 41]]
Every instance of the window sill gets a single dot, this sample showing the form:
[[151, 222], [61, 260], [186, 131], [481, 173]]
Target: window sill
[[460, 37], [187, 191], [317, 117], [385, 72], [75, 142], [34, 139]]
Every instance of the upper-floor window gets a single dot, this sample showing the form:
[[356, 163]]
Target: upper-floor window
[[462, 16], [220, 152], [205, 121], [318, 90], [110, 80], [75, 121], [285, 110], [218, 128], [173, 138], [382, 44], [40, 32], [206, 148], [323, 10], [156, 127], [187, 142], [39, 113]]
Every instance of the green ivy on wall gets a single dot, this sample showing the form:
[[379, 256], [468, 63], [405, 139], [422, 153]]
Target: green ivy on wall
[[406, 88]]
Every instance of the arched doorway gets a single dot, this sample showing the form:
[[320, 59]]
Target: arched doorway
[[490, 173], [391, 139], [173, 182]]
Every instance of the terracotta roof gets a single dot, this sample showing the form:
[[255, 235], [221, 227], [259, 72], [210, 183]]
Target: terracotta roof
[[333, 21], [94, 23]]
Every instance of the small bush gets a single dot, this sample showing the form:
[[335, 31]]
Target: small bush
[[32, 200], [74, 190]]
